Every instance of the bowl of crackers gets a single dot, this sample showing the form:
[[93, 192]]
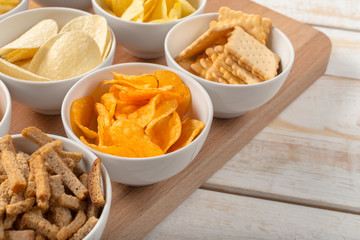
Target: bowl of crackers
[[8, 8], [240, 59], [52, 188], [46, 50], [146, 121], [141, 26], [5, 109]]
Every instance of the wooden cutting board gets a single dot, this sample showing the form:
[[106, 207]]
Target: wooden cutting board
[[136, 211]]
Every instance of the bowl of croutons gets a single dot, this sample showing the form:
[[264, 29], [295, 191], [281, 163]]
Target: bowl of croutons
[[52, 188], [240, 59]]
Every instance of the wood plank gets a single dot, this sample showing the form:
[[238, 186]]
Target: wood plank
[[345, 53], [213, 215], [135, 211], [308, 155], [336, 13]]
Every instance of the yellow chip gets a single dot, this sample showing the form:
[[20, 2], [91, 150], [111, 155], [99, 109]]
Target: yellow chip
[[159, 12], [18, 72], [186, 8], [94, 25], [135, 10], [34, 37], [66, 55], [119, 6]]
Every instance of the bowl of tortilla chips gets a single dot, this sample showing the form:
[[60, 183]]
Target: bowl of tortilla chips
[[44, 51], [141, 26]]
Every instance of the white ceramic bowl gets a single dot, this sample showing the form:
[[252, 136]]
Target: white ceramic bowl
[[27, 146], [78, 4], [42, 97], [143, 171], [22, 6], [5, 110], [230, 101], [143, 40]]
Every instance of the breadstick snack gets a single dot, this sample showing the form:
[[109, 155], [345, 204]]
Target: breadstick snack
[[42, 195]]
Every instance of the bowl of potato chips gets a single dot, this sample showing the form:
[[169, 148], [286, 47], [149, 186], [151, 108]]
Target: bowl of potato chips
[[146, 121], [46, 50], [141, 26], [5, 109], [240, 59], [66, 190], [78, 4], [10, 7]]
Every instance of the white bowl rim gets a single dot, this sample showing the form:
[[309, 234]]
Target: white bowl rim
[[56, 82], [202, 6], [216, 84], [7, 112], [7, 14], [106, 177], [128, 159]]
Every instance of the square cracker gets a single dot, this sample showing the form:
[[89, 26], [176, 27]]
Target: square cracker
[[207, 39], [256, 57], [253, 24]]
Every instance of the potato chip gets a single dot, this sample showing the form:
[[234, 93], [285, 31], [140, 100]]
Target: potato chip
[[19, 54], [103, 120], [166, 131], [168, 78], [126, 133], [94, 25], [190, 129], [81, 113], [109, 101], [141, 81], [18, 72], [143, 115], [108, 44], [34, 37], [66, 55], [123, 109], [163, 109]]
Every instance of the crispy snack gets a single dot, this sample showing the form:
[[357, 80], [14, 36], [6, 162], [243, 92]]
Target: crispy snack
[[85, 229], [40, 224], [16, 179], [95, 191], [71, 202], [45, 206], [68, 177], [253, 55], [20, 234], [36, 135], [73, 227], [41, 178], [20, 207]]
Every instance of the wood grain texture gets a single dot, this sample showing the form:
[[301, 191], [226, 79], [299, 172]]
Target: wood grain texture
[[136, 211], [213, 215], [336, 13], [345, 54]]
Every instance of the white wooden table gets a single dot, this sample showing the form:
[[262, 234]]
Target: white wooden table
[[300, 177]]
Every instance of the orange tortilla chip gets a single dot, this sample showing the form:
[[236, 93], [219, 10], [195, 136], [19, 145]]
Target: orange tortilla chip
[[81, 113], [190, 129], [166, 131]]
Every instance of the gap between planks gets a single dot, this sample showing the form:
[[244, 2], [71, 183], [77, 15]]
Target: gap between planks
[[276, 198]]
